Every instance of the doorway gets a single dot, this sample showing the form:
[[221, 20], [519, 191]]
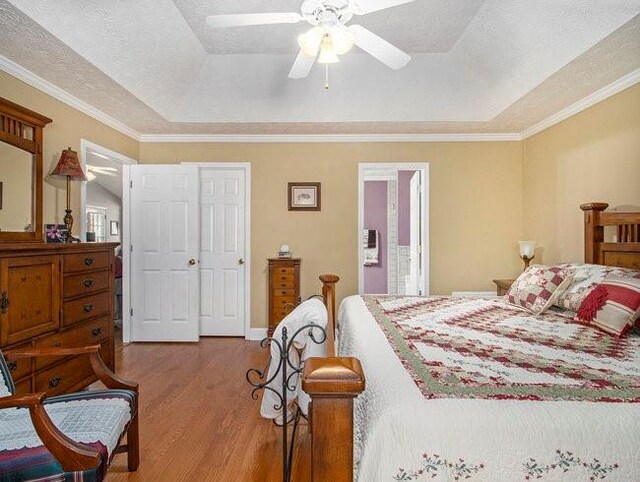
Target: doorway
[[393, 228], [104, 218]]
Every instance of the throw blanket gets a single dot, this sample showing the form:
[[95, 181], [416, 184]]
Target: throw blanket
[[461, 348], [308, 312]]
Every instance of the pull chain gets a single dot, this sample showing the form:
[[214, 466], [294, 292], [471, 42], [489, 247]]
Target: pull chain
[[326, 77]]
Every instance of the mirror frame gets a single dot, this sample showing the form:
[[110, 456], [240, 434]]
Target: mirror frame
[[13, 121]]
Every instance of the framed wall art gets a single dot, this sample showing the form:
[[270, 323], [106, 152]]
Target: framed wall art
[[304, 196]]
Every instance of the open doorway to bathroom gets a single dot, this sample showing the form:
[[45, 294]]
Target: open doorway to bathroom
[[393, 227], [104, 203]]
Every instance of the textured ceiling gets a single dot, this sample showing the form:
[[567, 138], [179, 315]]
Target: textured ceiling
[[424, 26], [145, 64]]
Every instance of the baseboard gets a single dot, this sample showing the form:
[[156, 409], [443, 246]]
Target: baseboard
[[256, 334], [473, 294]]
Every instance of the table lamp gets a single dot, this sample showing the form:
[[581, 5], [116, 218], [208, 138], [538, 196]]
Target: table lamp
[[527, 252], [69, 166]]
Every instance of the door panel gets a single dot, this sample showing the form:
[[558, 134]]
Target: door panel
[[222, 274], [164, 236]]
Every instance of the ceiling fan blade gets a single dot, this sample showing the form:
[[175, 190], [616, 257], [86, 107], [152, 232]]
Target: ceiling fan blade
[[382, 50], [247, 19], [363, 7], [302, 66]]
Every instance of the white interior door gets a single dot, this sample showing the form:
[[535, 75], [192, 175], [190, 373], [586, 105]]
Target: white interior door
[[222, 251], [164, 239], [414, 281]]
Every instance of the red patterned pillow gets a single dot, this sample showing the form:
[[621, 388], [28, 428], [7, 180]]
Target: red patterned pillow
[[612, 306], [538, 287]]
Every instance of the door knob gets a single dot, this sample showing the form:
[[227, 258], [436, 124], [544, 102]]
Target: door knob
[[241, 261], [192, 261]]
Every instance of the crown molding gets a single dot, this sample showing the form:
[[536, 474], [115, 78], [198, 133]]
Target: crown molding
[[598, 96], [269, 138], [39, 83], [65, 97]]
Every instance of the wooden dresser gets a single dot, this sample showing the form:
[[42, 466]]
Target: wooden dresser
[[56, 295], [284, 289]]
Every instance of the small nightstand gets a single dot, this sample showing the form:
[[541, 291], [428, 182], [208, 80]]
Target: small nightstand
[[502, 286]]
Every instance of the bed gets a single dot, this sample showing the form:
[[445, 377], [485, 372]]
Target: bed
[[476, 389]]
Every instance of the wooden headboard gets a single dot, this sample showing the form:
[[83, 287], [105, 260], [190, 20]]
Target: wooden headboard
[[624, 249]]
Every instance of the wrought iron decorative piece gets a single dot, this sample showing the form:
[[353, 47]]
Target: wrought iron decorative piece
[[259, 379]]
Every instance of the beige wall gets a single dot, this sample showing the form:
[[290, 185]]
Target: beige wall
[[475, 207], [68, 127], [592, 156]]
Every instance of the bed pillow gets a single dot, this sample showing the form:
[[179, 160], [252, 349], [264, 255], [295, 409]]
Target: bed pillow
[[538, 287], [612, 306], [585, 278]]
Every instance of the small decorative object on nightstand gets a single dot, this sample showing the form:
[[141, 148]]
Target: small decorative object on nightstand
[[527, 252], [502, 286], [284, 289]]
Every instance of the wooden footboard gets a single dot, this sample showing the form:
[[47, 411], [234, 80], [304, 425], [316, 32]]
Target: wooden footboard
[[332, 383]]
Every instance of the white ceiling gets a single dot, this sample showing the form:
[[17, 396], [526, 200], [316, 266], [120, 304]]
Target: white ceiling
[[478, 66], [112, 183], [424, 26]]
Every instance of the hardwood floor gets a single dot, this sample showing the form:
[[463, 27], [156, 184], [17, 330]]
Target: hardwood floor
[[197, 419]]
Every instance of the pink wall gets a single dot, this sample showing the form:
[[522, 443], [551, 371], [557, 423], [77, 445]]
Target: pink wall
[[404, 206], [375, 217]]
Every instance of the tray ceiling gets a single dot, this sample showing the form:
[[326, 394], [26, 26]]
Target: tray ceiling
[[478, 66]]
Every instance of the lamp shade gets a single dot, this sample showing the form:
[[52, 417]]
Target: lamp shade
[[69, 165], [527, 248]]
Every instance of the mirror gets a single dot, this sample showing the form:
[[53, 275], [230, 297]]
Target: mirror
[[20, 173], [16, 189]]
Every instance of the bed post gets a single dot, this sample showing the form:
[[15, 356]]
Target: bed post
[[332, 383], [593, 231]]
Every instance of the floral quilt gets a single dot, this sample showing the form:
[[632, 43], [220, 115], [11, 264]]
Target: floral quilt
[[476, 348]]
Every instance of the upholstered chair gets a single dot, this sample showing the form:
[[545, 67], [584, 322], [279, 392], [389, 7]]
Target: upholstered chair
[[67, 437]]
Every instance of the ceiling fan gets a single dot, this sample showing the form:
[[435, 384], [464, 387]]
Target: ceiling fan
[[330, 36]]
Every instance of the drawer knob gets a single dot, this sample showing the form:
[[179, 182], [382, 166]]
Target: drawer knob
[[12, 366], [88, 261], [96, 331], [88, 308], [88, 283], [54, 382]]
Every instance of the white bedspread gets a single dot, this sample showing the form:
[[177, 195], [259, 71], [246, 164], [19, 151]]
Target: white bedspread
[[400, 435]]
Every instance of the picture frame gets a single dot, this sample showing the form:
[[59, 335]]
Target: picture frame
[[56, 233], [304, 196], [113, 228]]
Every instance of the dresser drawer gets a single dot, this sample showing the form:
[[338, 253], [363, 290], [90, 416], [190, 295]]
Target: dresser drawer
[[85, 283], [284, 280], [89, 333], [283, 301], [70, 374], [85, 308], [23, 387], [284, 270], [19, 368], [278, 314], [291, 292], [85, 262]]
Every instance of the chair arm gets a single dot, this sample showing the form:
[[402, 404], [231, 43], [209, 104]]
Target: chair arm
[[71, 455], [106, 376]]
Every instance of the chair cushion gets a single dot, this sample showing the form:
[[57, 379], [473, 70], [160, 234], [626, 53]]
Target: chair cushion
[[95, 418]]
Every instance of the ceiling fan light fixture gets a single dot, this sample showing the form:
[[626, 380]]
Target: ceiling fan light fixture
[[310, 41], [327, 51], [342, 39]]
